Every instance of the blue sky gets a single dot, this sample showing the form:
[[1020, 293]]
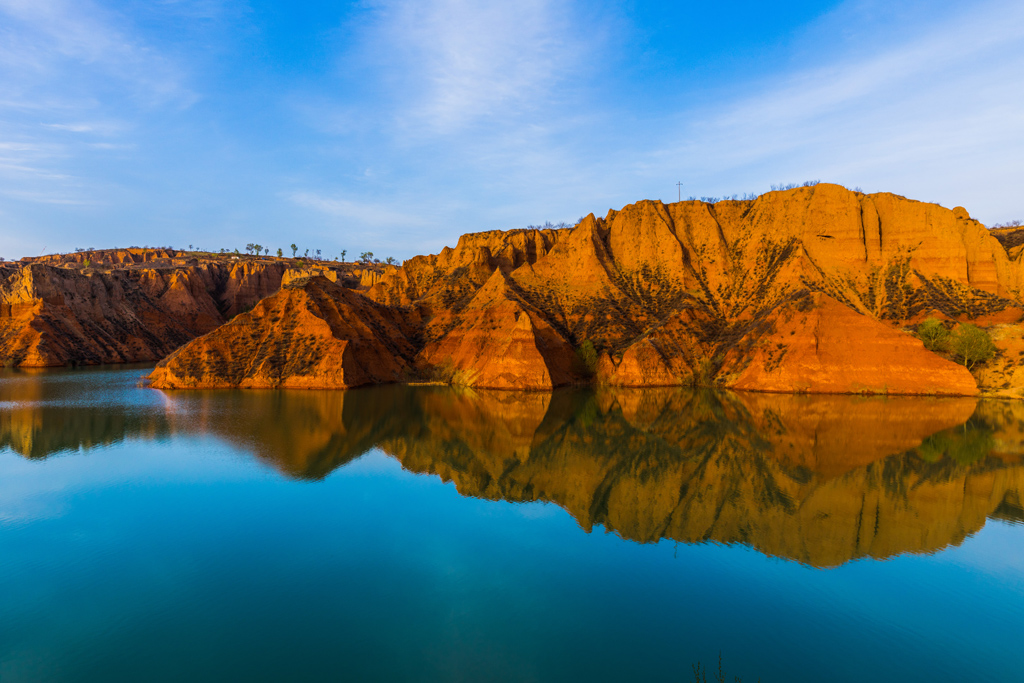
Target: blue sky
[[397, 125]]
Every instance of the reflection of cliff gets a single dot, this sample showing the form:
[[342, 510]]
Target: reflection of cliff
[[304, 434], [806, 478], [40, 432], [819, 479], [39, 417]]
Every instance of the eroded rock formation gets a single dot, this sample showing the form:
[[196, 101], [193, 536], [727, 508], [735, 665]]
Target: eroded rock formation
[[312, 334], [130, 305], [804, 290]]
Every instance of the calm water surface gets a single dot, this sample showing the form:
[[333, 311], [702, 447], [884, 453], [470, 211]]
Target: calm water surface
[[430, 534]]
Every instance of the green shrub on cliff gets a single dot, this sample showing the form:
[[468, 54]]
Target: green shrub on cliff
[[586, 359], [971, 345], [934, 335]]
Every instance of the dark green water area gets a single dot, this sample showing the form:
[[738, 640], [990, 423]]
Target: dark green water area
[[436, 534]]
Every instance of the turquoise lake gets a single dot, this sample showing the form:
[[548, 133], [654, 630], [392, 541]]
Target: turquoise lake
[[435, 534]]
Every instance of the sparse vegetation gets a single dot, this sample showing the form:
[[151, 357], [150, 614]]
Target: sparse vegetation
[[971, 345], [280, 253], [934, 335], [548, 225], [968, 443], [295, 250], [585, 363], [446, 372]]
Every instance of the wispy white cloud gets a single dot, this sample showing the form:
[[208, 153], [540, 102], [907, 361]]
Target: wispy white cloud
[[43, 39], [102, 128], [47, 198], [937, 117], [365, 214], [72, 74], [455, 62]]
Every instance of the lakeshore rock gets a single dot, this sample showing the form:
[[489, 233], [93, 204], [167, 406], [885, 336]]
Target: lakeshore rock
[[312, 334]]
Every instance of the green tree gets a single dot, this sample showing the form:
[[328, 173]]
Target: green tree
[[390, 260], [279, 252], [586, 359], [366, 256], [971, 345], [295, 250], [934, 335], [343, 252]]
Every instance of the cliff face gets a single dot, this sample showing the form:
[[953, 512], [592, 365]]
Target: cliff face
[[311, 334], [805, 290], [131, 305]]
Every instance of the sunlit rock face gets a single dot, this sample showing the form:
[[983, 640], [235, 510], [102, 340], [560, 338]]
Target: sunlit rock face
[[816, 479], [803, 290], [131, 305], [311, 334]]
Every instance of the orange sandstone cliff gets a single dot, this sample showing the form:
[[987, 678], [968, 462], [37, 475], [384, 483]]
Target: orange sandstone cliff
[[805, 290], [312, 334]]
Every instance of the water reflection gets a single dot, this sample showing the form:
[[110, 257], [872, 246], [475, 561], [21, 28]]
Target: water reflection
[[821, 480]]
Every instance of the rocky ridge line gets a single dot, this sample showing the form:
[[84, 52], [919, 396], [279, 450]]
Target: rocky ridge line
[[132, 305], [804, 290]]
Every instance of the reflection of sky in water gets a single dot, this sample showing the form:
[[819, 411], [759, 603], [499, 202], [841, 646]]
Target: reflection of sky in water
[[186, 557]]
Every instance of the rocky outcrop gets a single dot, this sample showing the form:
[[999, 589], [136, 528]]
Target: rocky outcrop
[[501, 343], [801, 290], [813, 289], [311, 334], [831, 349], [130, 305]]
